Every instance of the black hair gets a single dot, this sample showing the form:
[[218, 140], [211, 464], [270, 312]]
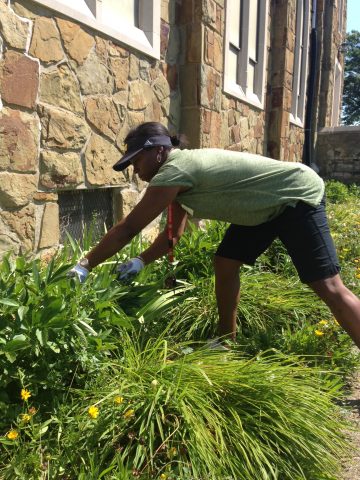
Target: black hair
[[151, 129]]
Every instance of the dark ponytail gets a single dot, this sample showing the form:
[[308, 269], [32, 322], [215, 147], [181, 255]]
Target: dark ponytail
[[179, 141]]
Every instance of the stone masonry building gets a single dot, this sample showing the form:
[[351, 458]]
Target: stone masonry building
[[262, 76]]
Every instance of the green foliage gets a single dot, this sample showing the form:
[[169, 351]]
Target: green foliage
[[351, 95], [114, 381], [53, 330], [159, 412], [337, 192]]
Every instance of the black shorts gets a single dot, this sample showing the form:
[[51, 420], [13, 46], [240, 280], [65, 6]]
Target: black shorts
[[303, 230]]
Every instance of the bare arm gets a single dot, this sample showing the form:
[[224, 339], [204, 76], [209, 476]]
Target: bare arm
[[160, 246], [155, 200]]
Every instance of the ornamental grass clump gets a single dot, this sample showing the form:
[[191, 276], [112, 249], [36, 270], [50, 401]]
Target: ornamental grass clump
[[205, 414]]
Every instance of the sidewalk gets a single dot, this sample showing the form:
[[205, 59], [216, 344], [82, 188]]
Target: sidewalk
[[352, 464]]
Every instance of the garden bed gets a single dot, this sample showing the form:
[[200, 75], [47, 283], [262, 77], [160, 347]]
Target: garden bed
[[113, 381]]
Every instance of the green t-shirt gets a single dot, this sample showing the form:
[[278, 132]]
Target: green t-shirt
[[237, 187]]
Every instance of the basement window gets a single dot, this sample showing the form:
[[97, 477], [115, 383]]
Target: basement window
[[82, 211], [133, 22]]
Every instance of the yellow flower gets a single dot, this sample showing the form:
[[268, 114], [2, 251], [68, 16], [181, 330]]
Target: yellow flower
[[323, 322], [93, 411], [129, 413], [118, 399], [25, 394], [12, 435], [358, 275], [25, 417], [172, 452], [319, 333], [163, 476]]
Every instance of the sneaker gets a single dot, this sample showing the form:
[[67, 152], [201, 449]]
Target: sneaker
[[216, 344]]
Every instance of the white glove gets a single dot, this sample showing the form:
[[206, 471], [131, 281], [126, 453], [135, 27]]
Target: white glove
[[129, 269], [78, 271]]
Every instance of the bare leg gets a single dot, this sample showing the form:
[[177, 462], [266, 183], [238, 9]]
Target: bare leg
[[344, 305], [227, 290]]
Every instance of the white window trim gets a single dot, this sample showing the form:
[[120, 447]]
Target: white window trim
[[336, 103], [340, 15], [300, 72], [146, 39], [233, 88]]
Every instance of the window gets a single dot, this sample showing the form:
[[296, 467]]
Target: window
[[340, 8], [245, 40], [335, 115], [90, 210], [126, 11], [134, 22], [300, 61]]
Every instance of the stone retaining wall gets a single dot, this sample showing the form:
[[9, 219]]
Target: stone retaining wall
[[338, 154]]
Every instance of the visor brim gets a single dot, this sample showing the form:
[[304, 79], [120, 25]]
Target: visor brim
[[124, 161]]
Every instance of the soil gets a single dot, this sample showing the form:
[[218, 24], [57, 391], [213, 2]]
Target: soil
[[352, 402]]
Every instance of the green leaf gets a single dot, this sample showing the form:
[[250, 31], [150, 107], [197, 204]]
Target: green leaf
[[20, 264], [49, 270], [72, 242], [58, 322], [107, 470], [6, 265], [43, 428], [19, 342], [51, 310], [10, 302], [54, 347], [88, 327], [11, 356], [22, 311], [39, 336], [36, 274], [5, 441], [59, 274]]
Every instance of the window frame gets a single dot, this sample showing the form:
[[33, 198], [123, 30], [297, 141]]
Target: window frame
[[340, 15], [145, 38], [238, 88], [337, 89], [301, 63]]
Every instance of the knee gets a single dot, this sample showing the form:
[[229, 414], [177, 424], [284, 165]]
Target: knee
[[331, 290], [226, 267]]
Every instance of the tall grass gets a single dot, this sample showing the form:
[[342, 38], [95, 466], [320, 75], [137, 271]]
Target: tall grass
[[197, 415]]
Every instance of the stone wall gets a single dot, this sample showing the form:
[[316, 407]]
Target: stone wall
[[338, 154], [210, 117], [68, 96]]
